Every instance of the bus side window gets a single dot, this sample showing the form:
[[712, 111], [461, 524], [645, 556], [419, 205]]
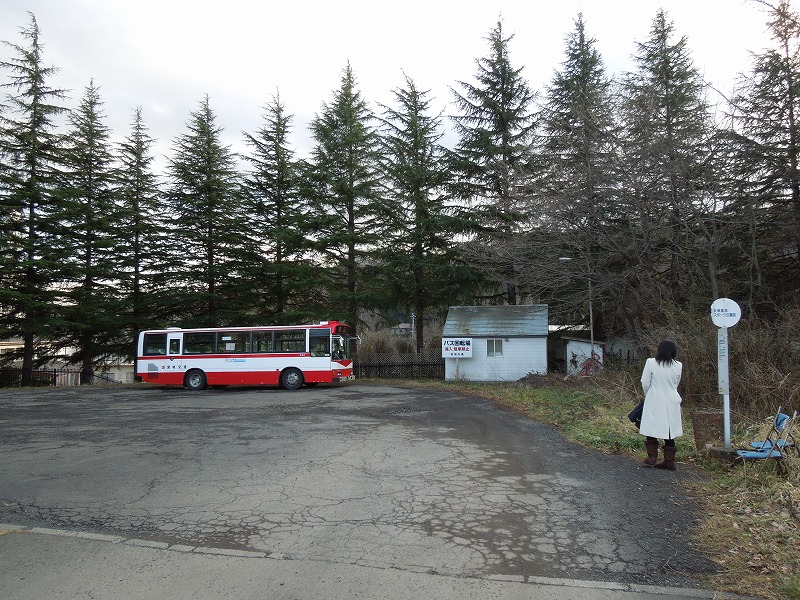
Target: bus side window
[[174, 346], [262, 341], [155, 344], [198, 343], [233, 341], [293, 340]]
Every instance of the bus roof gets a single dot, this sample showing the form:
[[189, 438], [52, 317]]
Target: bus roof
[[320, 325]]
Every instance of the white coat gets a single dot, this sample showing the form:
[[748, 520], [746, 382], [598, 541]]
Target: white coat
[[661, 417]]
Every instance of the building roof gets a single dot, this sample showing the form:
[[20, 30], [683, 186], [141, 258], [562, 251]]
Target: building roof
[[527, 320]]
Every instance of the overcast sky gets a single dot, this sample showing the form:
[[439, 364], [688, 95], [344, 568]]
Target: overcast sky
[[166, 55]]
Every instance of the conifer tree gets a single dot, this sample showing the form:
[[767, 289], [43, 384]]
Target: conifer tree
[[495, 126], [30, 153], [576, 195], [765, 189], [87, 216], [345, 195], [140, 237], [418, 257], [280, 274], [665, 170], [577, 137], [210, 235]]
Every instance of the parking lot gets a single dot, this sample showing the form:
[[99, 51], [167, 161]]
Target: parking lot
[[414, 481]]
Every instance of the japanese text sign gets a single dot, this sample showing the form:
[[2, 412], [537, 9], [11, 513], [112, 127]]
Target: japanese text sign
[[457, 347]]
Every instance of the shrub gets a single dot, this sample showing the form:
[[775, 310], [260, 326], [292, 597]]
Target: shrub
[[377, 342], [762, 361]]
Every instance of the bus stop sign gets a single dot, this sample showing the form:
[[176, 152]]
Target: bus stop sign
[[725, 312]]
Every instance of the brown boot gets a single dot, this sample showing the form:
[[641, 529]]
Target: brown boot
[[652, 453], [669, 458]]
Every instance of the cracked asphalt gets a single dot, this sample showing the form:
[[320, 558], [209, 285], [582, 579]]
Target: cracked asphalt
[[380, 477]]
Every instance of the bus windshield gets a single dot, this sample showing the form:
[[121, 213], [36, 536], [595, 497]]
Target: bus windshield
[[340, 350]]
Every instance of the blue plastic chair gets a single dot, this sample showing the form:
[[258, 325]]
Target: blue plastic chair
[[773, 438], [772, 448]]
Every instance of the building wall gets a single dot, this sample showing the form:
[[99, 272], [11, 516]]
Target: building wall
[[578, 352], [117, 373], [521, 356]]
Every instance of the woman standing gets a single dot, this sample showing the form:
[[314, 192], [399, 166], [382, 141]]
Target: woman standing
[[661, 417]]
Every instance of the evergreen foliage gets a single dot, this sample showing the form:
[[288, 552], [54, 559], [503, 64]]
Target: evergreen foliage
[[492, 157], [665, 172], [31, 152], [85, 245], [282, 277], [140, 236], [210, 233], [763, 181], [420, 226], [345, 197], [660, 208], [575, 199]]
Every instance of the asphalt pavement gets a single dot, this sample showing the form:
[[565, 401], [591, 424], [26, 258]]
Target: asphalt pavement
[[356, 491]]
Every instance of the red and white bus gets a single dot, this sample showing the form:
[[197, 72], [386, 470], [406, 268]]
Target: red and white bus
[[287, 356]]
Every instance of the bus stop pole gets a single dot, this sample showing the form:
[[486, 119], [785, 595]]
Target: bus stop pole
[[725, 313], [724, 382], [726, 409]]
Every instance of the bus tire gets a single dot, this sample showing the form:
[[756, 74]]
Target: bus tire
[[291, 379], [195, 380]]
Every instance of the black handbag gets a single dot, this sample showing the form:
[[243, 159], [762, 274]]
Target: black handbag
[[635, 415]]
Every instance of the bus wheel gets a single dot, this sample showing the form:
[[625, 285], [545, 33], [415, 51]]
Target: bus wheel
[[195, 380], [291, 379]]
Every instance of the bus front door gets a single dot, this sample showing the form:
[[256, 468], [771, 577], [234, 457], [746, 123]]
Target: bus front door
[[173, 366]]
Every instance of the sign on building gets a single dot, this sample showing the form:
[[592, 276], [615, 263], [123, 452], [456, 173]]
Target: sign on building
[[456, 347]]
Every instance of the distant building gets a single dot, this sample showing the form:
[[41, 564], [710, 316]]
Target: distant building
[[495, 343], [402, 329], [114, 369], [570, 355]]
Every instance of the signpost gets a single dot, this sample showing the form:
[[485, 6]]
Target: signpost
[[724, 313], [457, 348]]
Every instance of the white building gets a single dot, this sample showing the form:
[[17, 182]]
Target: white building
[[577, 353], [114, 369], [495, 343]]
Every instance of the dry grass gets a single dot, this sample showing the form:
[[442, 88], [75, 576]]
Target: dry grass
[[751, 530], [752, 525]]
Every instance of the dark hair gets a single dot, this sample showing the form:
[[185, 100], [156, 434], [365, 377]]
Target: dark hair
[[667, 351]]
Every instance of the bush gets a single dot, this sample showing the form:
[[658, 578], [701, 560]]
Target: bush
[[376, 342], [762, 361]]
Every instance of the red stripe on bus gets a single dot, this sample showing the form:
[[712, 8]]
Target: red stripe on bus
[[218, 356], [242, 377]]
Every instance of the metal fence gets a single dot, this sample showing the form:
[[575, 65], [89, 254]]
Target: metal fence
[[427, 364], [12, 377]]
